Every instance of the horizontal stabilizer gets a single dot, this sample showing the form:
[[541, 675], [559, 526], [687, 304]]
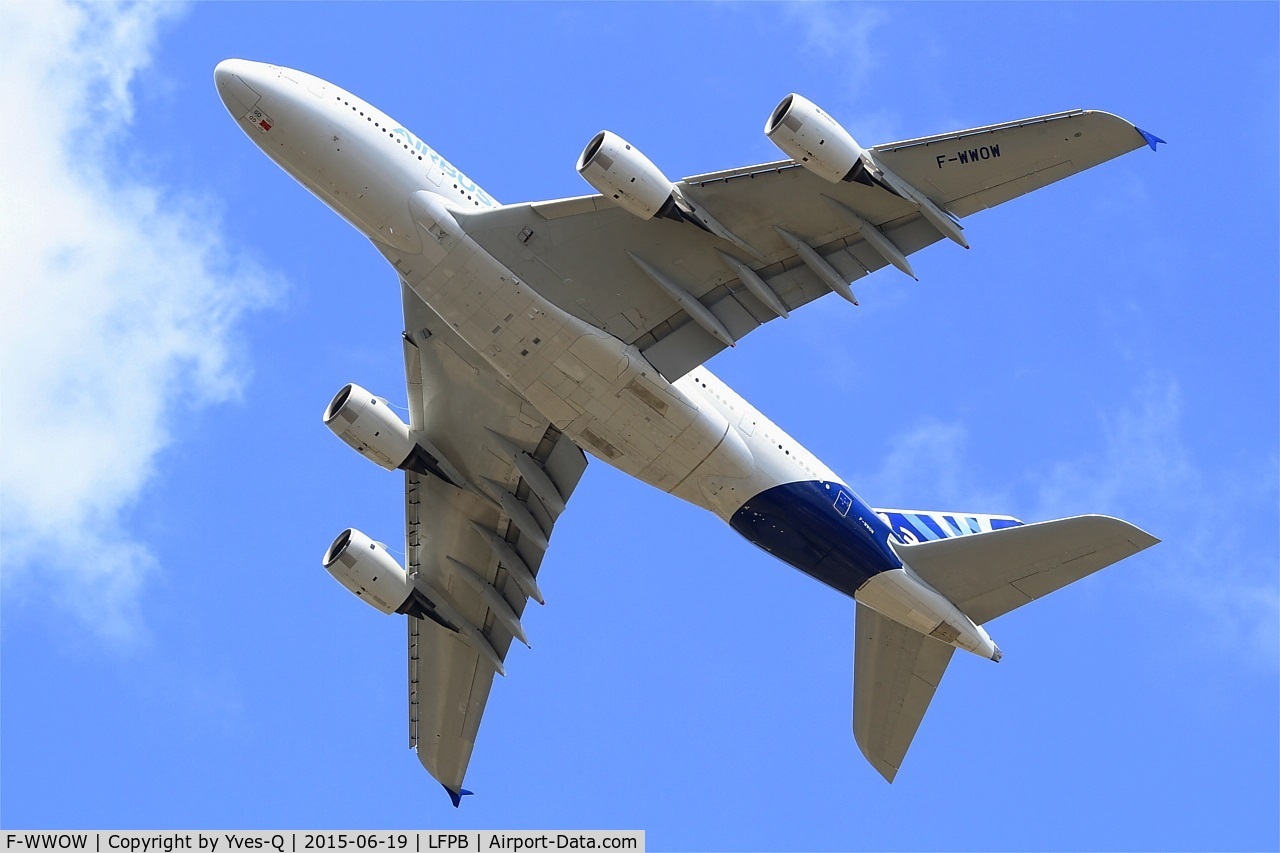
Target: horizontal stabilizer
[[895, 673], [989, 574]]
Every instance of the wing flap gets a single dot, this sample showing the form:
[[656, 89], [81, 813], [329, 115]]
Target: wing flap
[[680, 347], [988, 574], [895, 673], [451, 689], [999, 194]]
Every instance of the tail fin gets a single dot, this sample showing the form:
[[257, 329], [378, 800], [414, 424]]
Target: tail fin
[[914, 525], [986, 574]]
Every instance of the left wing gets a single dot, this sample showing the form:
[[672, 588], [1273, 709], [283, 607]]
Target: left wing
[[895, 673], [477, 545], [584, 253]]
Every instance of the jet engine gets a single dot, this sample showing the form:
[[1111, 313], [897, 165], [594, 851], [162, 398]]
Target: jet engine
[[620, 172], [364, 567], [814, 139], [368, 424]]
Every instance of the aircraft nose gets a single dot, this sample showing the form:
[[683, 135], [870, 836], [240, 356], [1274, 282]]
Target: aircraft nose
[[232, 78]]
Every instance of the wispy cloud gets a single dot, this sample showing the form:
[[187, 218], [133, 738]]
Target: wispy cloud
[[843, 31], [1143, 456], [119, 306], [931, 459], [1219, 554], [844, 35]]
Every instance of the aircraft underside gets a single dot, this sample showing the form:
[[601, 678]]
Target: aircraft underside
[[535, 332]]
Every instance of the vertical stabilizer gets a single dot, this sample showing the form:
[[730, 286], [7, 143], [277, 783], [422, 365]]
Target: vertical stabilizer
[[895, 673]]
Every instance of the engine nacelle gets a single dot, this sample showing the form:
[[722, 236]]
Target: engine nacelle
[[814, 139], [621, 173], [368, 424], [364, 567]]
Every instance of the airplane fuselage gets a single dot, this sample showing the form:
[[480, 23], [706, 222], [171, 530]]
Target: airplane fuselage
[[695, 437]]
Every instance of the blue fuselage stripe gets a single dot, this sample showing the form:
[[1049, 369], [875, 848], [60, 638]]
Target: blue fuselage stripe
[[822, 529]]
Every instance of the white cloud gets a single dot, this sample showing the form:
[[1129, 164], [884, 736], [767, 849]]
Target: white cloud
[[119, 306], [1143, 458], [842, 31], [1219, 554], [1218, 558], [844, 34], [928, 464]]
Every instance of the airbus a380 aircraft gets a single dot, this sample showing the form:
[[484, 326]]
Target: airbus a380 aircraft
[[535, 331]]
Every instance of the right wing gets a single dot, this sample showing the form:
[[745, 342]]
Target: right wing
[[472, 544], [895, 673], [575, 251], [988, 574]]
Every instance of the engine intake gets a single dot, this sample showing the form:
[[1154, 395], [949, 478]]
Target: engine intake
[[621, 173], [364, 567], [367, 424], [814, 139]]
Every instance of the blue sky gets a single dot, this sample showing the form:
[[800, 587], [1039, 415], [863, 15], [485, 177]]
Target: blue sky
[[178, 312]]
